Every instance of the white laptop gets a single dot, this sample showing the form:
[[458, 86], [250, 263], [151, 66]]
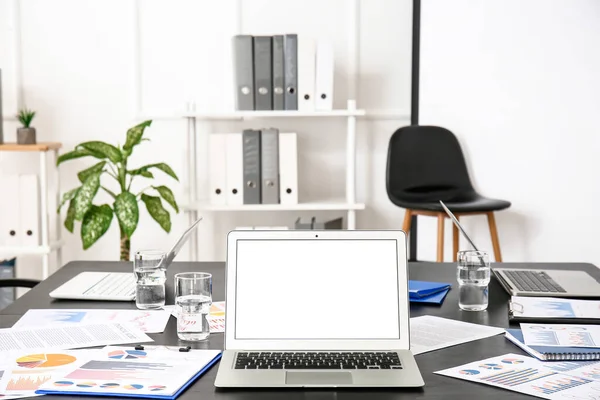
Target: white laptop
[[92, 285], [113, 286], [317, 309]]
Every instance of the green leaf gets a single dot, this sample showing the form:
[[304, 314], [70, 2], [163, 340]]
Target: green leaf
[[147, 174], [83, 175], [107, 150], [134, 136], [157, 211], [67, 197], [77, 153], [161, 166], [167, 195], [70, 220], [95, 224], [83, 200], [127, 211]]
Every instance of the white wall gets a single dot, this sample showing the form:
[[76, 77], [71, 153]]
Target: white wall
[[74, 62], [518, 82]]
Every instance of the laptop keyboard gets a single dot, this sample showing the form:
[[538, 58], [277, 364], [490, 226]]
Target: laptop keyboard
[[113, 285], [320, 360], [534, 281]]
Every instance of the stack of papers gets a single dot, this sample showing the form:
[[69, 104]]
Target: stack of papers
[[428, 292]]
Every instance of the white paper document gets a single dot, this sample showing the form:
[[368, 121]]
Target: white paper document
[[547, 380], [429, 333], [150, 321], [70, 337], [23, 372], [550, 307], [216, 317], [561, 335]]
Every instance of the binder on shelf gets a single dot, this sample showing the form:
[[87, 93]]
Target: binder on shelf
[[306, 73], [324, 76], [288, 168], [251, 166], [263, 78], [29, 211], [235, 169], [243, 54], [217, 144], [269, 154], [278, 73], [10, 232], [290, 52]]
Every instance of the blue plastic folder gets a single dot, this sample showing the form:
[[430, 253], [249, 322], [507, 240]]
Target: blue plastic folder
[[427, 292]]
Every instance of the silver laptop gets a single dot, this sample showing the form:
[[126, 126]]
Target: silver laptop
[[112, 286], [317, 309], [539, 282]]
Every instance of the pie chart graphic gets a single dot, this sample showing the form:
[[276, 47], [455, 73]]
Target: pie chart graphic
[[86, 384], [109, 385], [63, 383], [45, 360], [512, 361], [490, 366], [468, 372], [126, 354], [133, 386], [156, 388]]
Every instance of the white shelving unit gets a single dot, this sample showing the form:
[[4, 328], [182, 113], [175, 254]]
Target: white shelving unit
[[46, 246], [193, 206]]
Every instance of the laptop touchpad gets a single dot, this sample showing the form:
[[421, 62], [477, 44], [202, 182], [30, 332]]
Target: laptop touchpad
[[318, 378]]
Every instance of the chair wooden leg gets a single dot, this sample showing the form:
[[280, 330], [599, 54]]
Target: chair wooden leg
[[407, 220], [494, 234], [455, 241], [440, 244]]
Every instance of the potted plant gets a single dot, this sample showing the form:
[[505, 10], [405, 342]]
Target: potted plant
[[26, 133], [113, 165]]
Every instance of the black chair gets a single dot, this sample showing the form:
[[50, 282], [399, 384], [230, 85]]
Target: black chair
[[426, 164], [18, 282]]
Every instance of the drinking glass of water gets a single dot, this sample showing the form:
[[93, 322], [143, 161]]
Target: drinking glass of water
[[150, 279], [473, 277], [193, 298]]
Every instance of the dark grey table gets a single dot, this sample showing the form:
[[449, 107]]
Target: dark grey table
[[436, 387]]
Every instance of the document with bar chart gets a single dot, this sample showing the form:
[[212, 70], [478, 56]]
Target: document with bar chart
[[547, 308], [159, 373], [547, 380], [561, 335]]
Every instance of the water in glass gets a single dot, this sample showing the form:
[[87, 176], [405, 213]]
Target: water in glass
[[193, 298], [192, 317], [150, 280], [473, 277]]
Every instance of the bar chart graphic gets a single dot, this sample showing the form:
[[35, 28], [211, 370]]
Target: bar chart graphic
[[515, 377], [566, 366], [583, 339], [563, 382], [545, 338], [556, 308]]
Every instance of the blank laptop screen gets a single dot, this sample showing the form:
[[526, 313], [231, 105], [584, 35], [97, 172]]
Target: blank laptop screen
[[317, 289]]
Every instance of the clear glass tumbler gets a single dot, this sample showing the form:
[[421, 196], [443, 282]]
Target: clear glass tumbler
[[150, 279], [473, 275], [193, 298]]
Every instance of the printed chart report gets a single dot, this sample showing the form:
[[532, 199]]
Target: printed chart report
[[561, 335], [547, 380]]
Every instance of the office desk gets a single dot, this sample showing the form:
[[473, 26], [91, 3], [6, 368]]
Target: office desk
[[436, 387]]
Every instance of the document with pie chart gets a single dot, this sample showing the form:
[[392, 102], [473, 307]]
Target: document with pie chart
[[152, 372], [547, 380], [24, 372]]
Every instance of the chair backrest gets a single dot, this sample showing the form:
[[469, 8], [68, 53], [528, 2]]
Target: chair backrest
[[18, 282], [426, 163]]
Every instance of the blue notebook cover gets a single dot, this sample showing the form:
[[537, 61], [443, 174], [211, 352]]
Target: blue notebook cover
[[553, 353], [145, 396], [421, 289], [436, 298]]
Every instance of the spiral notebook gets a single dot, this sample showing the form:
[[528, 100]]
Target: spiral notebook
[[553, 353]]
